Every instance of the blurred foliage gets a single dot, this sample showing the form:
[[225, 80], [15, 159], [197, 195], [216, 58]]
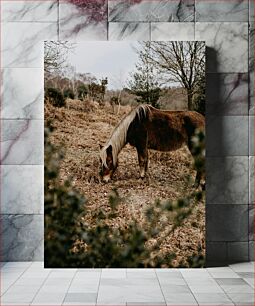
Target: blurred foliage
[[71, 242]]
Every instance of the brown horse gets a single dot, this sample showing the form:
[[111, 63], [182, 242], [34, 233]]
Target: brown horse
[[146, 127]]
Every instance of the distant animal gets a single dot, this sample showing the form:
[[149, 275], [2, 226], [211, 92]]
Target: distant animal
[[146, 127]]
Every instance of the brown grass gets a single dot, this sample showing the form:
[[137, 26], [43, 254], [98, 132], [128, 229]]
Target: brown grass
[[81, 127]]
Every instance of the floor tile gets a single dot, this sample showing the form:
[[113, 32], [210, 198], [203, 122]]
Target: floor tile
[[180, 299], [147, 303], [113, 273], [18, 296], [81, 297], [237, 288], [242, 299], [175, 289], [84, 285], [243, 267], [250, 281], [206, 289], [213, 299], [87, 274], [230, 281], [246, 274], [171, 281], [16, 265], [140, 273], [59, 273], [224, 272], [195, 273], [43, 298]]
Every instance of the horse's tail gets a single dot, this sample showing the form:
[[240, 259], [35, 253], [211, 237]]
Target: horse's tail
[[193, 121]]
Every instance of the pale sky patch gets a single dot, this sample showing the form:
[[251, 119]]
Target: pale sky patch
[[115, 60]]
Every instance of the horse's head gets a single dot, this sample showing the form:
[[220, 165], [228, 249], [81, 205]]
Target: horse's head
[[107, 167]]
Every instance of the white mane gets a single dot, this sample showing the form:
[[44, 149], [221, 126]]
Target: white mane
[[119, 135]]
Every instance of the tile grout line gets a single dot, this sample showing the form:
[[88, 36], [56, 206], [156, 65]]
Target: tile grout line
[[160, 286], [40, 287], [189, 288], [15, 280], [69, 286], [222, 288], [98, 285]]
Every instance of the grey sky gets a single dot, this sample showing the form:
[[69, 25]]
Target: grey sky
[[114, 60]]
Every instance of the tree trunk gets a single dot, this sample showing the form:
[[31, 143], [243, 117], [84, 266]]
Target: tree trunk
[[190, 98]]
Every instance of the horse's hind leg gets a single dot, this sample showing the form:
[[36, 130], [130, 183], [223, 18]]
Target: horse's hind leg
[[143, 161]]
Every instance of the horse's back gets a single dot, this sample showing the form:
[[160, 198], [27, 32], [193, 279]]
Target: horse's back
[[169, 130], [181, 117]]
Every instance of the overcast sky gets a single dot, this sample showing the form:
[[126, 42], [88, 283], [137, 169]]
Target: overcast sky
[[114, 60]]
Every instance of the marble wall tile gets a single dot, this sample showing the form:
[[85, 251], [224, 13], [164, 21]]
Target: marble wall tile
[[76, 23], [21, 189], [23, 10], [251, 69], [175, 31], [129, 31], [251, 93], [237, 252], [227, 180], [151, 10], [22, 93], [22, 237], [227, 45], [251, 135], [251, 250], [234, 10], [227, 135], [226, 94], [227, 223], [22, 142], [216, 252], [251, 222], [251, 180], [22, 43], [251, 10]]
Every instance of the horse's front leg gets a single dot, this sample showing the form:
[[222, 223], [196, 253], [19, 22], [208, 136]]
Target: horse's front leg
[[143, 161]]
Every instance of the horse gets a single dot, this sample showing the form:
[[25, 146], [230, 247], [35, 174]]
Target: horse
[[146, 127]]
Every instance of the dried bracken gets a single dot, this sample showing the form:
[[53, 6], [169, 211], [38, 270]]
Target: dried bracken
[[80, 127]]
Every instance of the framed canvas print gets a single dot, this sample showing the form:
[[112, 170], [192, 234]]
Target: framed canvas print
[[124, 154]]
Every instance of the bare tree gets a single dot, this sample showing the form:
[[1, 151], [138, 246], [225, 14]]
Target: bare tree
[[180, 62], [55, 56], [119, 82]]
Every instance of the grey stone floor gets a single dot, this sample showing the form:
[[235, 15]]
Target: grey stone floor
[[28, 283]]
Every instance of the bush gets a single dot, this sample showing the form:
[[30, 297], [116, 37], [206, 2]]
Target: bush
[[68, 93], [55, 97], [82, 91]]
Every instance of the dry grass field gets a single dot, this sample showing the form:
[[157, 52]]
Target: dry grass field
[[80, 127]]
